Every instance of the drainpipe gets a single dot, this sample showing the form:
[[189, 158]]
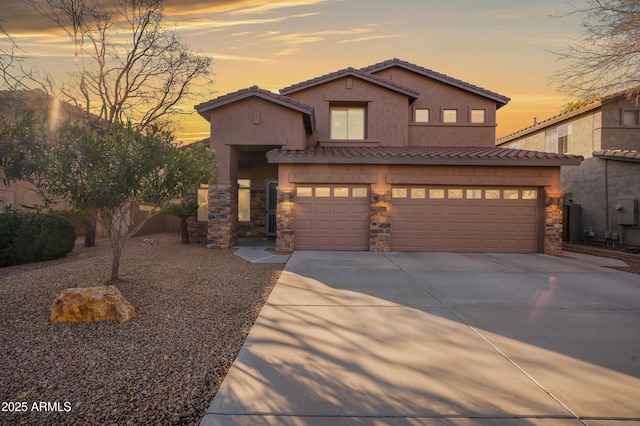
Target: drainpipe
[[606, 193]]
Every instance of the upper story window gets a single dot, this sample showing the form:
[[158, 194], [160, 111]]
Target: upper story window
[[630, 117], [449, 115], [560, 139], [478, 116], [421, 115], [348, 123]]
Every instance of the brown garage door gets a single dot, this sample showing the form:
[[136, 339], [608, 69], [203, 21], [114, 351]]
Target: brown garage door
[[480, 219], [332, 217]]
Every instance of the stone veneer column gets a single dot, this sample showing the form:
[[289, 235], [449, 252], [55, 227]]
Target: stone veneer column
[[380, 223], [223, 216], [552, 228], [284, 225]]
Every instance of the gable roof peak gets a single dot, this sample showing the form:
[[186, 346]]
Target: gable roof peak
[[351, 72], [254, 91], [499, 99]]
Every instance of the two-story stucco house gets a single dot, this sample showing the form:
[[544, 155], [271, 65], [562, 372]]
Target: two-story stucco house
[[392, 156], [601, 202]]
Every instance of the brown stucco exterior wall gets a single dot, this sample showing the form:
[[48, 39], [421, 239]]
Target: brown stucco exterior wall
[[252, 124], [387, 121], [255, 121], [435, 96]]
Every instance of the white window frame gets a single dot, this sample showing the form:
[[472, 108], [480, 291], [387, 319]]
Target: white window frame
[[565, 139], [560, 139]]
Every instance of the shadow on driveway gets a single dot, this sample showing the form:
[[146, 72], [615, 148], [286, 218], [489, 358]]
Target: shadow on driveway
[[439, 338]]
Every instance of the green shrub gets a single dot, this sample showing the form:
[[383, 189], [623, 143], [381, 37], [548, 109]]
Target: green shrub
[[32, 237], [77, 217]]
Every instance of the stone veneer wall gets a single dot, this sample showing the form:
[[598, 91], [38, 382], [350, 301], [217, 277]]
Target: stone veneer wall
[[552, 229], [285, 218], [197, 230], [380, 223], [223, 216]]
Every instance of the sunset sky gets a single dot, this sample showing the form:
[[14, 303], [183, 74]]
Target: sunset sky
[[502, 45]]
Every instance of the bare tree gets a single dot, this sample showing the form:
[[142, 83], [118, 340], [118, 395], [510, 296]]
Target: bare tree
[[128, 66], [14, 75], [607, 58]]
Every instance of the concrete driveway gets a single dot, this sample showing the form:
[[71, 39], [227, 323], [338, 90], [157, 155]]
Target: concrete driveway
[[439, 339]]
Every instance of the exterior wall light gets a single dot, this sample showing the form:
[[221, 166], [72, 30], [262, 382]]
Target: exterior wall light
[[555, 201], [287, 196]]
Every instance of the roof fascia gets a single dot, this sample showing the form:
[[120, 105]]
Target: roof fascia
[[497, 98], [308, 114], [512, 162], [350, 72], [551, 122]]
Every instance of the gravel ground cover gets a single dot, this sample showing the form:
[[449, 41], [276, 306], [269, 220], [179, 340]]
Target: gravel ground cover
[[195, 308], [633, 260]]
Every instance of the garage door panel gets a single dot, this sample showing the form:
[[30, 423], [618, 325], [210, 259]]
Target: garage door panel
[[475, 225], [332, 222], [362, 209], [322, 208], [305, 208], [304, 224]]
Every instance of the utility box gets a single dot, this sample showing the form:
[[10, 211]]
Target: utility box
[[627, 211]]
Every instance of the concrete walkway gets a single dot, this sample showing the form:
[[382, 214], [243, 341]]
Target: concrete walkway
[[439, 339], [254, 250]]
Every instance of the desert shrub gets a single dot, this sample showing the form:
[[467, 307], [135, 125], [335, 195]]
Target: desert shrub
[[32, 237]]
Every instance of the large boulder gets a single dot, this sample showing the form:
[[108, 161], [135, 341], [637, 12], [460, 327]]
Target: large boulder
[[90, 304]]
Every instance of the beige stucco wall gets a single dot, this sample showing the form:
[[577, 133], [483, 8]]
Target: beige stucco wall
[[437, 96], [387, 120], [22, 193], [586, 131]]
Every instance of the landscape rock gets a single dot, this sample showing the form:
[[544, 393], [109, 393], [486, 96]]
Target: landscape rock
[[91, 304]]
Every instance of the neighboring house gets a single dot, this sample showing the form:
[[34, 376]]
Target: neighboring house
[[601, 202], [389, 157]]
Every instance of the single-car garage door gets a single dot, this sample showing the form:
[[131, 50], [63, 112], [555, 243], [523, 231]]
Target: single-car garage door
[[471, 219], [332, 217]]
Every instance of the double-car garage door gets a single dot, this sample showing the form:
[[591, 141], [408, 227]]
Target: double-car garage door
[[463, 219], [424, 218]]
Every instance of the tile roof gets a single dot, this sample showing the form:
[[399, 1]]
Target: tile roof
[[498, 98], [252, 91], [619, 154], [558, 118], [241, 94], [422, 155], [353, 73]]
